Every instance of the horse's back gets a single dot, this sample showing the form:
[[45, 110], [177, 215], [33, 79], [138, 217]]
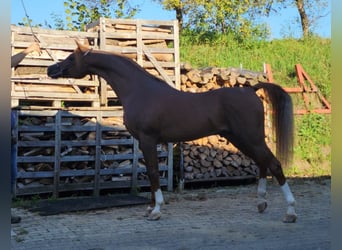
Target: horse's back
[[240, 100]]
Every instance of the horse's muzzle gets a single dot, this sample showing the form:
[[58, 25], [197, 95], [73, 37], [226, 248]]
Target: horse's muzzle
[[54, 71]]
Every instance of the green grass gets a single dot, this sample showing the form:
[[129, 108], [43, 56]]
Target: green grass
[[313, 132]]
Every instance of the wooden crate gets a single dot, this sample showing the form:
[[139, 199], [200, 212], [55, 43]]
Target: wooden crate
[[30, 84], [154, 45], [75, 150]]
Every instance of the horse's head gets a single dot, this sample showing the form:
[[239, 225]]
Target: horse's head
[[73, 66]]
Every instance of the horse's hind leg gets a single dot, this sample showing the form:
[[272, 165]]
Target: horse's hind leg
[[275, 167], [276, 170], [256, 148]]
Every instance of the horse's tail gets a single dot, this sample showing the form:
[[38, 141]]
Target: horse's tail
[[282, 120]]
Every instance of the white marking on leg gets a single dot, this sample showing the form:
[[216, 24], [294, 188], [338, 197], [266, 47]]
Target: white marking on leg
[[159, 201], [262, 188], [288, 194], [291, 215], [262, 203]]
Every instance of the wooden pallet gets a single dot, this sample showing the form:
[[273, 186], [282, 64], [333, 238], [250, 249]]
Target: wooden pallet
[[70, 150], [31, 90], [154, 45], [30, 84]]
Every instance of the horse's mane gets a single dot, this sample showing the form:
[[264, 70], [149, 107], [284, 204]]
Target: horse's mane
[[131, 62]]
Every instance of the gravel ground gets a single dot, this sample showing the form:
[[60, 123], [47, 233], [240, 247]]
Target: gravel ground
[[212, 218]]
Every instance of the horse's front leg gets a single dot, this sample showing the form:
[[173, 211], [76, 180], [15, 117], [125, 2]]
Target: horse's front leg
[[149, 149]]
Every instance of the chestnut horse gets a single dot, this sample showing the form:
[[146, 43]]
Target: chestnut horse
[[155, 112]]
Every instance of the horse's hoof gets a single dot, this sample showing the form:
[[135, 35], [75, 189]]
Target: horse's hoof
[[154, 216], [148, 211], [290, 218], [262, 206]]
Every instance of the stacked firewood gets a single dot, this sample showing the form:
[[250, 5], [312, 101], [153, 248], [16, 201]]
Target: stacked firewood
[[209, 78], [215, 157]]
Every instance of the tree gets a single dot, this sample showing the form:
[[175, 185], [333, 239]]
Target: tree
[[235, 16], [181, 7], [303, 17], [81, 12], [239, 16], [310, 11]]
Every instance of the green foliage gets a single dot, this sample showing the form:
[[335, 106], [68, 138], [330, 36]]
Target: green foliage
[[80, 13], [27, 22], [235, 17], [313, 132], [58, 21]]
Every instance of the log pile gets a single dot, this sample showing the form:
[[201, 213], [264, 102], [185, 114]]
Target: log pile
[[209, 78], [214, 157]]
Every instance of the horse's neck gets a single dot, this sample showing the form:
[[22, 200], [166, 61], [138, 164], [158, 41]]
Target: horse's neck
[[124, 77], [118, 73]]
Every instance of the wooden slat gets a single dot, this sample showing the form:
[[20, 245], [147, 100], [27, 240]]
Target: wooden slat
[[43, 80], [57, 155], [31, 159], [40, 88], [176, 54], [62, 96], [53, 33], [139, 43], [35, 175], [158, 67]]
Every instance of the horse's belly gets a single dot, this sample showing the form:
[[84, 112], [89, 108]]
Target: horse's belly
[[187, 130]]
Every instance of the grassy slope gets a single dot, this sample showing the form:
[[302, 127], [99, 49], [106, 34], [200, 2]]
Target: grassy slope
[[313, 134]]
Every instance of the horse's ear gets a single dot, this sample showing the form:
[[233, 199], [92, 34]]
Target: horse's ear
[[82, 47]]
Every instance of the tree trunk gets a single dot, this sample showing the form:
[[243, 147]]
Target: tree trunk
[[303, 17], [179, 17]]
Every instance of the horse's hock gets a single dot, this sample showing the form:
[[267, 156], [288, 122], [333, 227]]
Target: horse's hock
[[71, 134]]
